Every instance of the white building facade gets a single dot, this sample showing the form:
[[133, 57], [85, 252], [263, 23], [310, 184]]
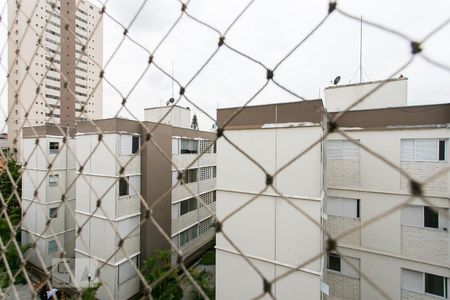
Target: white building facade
[[275, 237]]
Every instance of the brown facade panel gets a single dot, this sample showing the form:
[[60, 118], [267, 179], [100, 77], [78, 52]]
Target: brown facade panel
[[156, 182], [256, 116], [396, 116], [67, 63]]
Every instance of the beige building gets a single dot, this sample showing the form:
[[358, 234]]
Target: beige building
[[40, 65], [405, 253]]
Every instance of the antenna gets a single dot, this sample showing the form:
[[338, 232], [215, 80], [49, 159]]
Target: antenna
[[172, 99], [360, 50], [172, 78]]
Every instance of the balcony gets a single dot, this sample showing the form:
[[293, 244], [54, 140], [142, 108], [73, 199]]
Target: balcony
[[198, 187], [184, 160]]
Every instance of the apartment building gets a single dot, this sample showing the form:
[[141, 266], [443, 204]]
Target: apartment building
[[68, 85], [48, 193], [274, 236], [118, 181], [406, 252]]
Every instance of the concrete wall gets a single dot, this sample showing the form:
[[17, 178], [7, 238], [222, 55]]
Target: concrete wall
[[176, 116], [392, 93], [386, 246], [269, 230]]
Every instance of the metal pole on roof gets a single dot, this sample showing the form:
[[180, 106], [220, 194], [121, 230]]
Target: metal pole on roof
[[360, 50]]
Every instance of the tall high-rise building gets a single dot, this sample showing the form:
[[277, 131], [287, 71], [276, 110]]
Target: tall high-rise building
[[53, 71]]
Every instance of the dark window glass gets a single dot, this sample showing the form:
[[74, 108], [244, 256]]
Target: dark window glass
[[334, 262], [194, 232], [192, 204], [430, 217], [53, 212], [435, 285], [135, 146], [187, 206], [190, 176], [442, 150], [358, 208], [184, 207], [53, 147], [123, 187]]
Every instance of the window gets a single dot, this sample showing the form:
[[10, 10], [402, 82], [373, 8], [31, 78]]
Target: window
[[423, 150], [189, 146], [53, 212], [52, 246], [184, 237], [123, 187], [190, 176], [334, 262], [126, 144], [424, 216], [135, 144], [187, 206], [127, 269], [342, 149], [53, 147], [436, 285], [343, 207], [430, 217], [53, 180], [188, 235]]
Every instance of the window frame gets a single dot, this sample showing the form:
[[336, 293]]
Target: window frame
[[188, 178], [53, 248], [55, 181], [53, 212], [444, 285], [135, 144], [432, 223], [123, 181], [440, 142], [334, 255], [51, 147]]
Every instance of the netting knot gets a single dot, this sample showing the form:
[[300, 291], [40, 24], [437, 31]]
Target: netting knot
[[221, 41], [416, 188], [331, 7], [269, 179], [220, 131], [267, 286], [269, 75], [331, 245], [218, 226], [415, 47]]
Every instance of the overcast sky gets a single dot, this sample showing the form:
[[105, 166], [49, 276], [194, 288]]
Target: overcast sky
[[267, 31]]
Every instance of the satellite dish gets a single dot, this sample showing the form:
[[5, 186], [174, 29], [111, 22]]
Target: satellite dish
[[171, 100], [336, 80]]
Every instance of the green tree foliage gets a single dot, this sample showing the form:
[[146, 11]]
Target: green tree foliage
[[10, 215], [158, 270], [205, 282], [194, 124], [89, 292]]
